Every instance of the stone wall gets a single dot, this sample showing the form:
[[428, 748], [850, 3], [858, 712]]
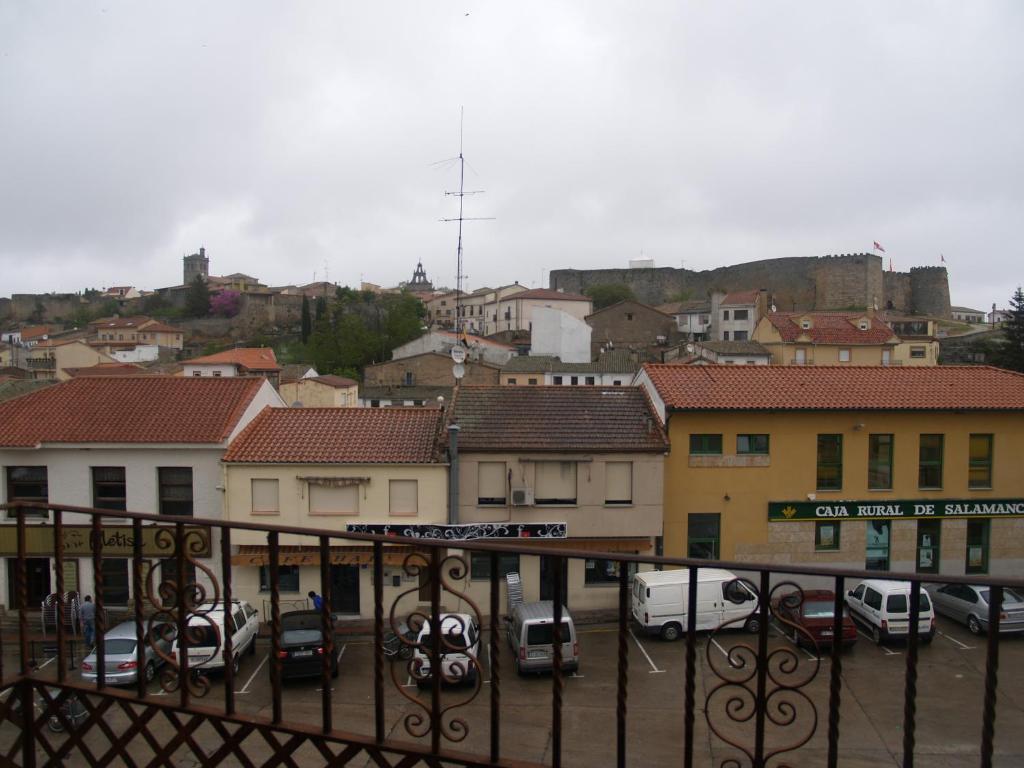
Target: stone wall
[[929, 291], [897, 293], [42, 307]]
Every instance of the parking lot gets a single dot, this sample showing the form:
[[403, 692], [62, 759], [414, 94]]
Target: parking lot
[[949, 703]]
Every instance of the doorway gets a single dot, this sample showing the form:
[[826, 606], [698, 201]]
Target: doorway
[[547, 579], [37, 570], [345, 589]]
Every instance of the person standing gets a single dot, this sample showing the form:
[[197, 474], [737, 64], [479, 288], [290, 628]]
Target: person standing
[[87, 617], [318, 602]]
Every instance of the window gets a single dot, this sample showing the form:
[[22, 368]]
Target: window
[[27, 484], [617, 383], [216, 374], [265, 497], [334, 500], [409, 379], [706, 445], [287, 578], [589, 380], [512, 380], [403, 498], [830, 463], [929, 473], [886, 356], [880, 462], [169, 573], [703, 535], [979, 473], [618, 482], [574, 380], [492, 480], [197, 373], [740, 314], [844, 355], [918, 353], [175, 490], [977, 546], [928, 538], [480, 565], [531, 382], [115, 580], [801, 356], [555, 482], [629, 315], [826, 536], [725, 314], [375, 403], [739, 335], [877, 549], [873, 599], [108, 488], [752, 444], [605, 571], [557, 380], [725, 335], [805, 324]]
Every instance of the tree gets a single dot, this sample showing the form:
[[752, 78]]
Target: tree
[[226, 303], [197, 303], [307, 319], [1012, 353], [609, 293]]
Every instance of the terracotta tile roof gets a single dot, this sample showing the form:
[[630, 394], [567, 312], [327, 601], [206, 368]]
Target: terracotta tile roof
[[339, 436], [338, 382], [546, 294], [742, 347], [557, 419], [250, 358], [107, 369], [128, 409], [35, 332], [831, 328], [740, 297], [862, 388]]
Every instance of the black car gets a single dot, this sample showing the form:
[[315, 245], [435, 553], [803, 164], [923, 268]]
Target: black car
[[303, 645]]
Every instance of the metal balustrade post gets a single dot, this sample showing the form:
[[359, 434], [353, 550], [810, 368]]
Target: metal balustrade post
[[910, 686], [181, 600], [378, 642], [229, 649], [762, 670], [22, 595], [435, 649], [100, 623], [988, 721], [58, 555], [141, 637], [327, 630], [691, 666], [836, 679], [556, 667], [275, 626], [623, 676], [495, 671]]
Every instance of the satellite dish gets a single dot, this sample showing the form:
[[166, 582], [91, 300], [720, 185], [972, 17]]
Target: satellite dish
[[459, 355], [458, 370]]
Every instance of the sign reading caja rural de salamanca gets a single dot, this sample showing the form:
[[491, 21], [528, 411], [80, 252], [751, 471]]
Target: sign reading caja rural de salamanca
[[787, 511]]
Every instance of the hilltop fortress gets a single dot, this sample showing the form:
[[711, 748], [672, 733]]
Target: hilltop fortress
[[846, 281]]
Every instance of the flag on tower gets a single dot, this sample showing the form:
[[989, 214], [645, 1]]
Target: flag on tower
[[890, 263], [942, 258], [879, 247]]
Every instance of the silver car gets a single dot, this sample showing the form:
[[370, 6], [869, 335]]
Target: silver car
[[968, 604], [120, 659]]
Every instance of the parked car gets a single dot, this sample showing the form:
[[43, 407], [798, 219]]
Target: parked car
[[208, 653], [120, 658], [968, 604], [302, 645], [459, 631], [813, 614], [659, 601], [531, 634], [883, 607]]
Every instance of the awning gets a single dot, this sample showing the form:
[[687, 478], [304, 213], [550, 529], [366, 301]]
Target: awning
[[259, 554]]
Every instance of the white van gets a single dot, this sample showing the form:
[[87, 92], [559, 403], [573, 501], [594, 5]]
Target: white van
[[660, 597], [884, 608], [460, 646], [208, 652], [531, 636]]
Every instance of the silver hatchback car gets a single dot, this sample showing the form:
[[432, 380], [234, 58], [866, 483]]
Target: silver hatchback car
[[968, 604], [120, 659]]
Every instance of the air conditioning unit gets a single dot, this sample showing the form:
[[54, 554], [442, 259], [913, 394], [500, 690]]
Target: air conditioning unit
[[522, 497]]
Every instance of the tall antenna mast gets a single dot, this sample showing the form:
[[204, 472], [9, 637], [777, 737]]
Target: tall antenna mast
[[461, 194]]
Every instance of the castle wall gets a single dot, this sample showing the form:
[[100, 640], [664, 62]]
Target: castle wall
[[929, 291], [898, 295], [40, 307]]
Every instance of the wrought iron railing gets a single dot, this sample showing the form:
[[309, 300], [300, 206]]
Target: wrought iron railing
[[758, 702]]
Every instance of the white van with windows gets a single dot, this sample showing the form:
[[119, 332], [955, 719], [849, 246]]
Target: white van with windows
[[207, 625], [531, 635], [884, 608], [659, 601]]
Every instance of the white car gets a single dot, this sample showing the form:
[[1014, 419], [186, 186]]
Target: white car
[[460, 646], [883, 607], [208, 653]]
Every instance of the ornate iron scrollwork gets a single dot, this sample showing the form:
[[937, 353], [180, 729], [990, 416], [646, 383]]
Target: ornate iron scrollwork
[[454, 639], [783, 703]]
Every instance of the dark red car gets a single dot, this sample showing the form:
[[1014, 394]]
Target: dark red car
[[812, 613]]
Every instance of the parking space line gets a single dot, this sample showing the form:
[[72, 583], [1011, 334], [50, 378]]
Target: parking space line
[[719, 647], [245, 688], [342, 651], [654, 669], [48, 661], [880, 647], [789, 640], [954, 640]]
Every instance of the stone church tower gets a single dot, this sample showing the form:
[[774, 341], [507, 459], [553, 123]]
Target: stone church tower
[[196, 264]]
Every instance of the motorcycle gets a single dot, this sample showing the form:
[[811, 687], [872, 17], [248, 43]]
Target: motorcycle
[[394, 648], [72, 712]]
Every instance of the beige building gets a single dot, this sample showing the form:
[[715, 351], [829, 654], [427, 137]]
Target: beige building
[[515, 312], [828, 338], [321, 392], [478, 310], [329, 468], [49, 359]]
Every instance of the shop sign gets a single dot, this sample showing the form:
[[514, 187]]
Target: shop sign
[[465, 532], [785, 511], [117, 541]]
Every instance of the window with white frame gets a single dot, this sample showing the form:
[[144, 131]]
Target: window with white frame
[[403, 498], [265, 497], [491, 477]]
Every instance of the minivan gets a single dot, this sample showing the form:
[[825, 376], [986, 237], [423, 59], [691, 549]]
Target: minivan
[[206, 624], [659, 601], [883, 607], [531, 630]]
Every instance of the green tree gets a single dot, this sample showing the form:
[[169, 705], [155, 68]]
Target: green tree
[[197, 303], [307, 319], [1012, 353], [606, 294]]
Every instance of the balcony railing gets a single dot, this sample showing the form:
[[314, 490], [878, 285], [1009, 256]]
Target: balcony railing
[[762, 701]]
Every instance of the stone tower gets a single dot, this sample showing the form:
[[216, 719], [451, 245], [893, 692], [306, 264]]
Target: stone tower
[[419, 283], [196, 264]]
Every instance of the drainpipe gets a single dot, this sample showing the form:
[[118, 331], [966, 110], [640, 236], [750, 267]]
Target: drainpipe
[[453, 474]]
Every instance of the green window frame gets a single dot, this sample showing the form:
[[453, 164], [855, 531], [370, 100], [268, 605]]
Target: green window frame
[[877, 545], [830, 463], [880, 453], [826, 535], [978, 535], [706, 445], [752, 444], [979, 470], [929, 473], [703, 535]]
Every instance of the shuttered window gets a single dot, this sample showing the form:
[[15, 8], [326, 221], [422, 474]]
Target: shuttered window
[[555, 482], [491, 482], [618, 482], [265, 499], [403, 497], [330, 500]]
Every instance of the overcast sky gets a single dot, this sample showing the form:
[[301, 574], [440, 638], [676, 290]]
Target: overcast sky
[[295, 140]]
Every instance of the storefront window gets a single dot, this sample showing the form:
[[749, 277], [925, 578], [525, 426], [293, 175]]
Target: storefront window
[[703, 536], [928, 538], [830, 462], [880, 462], [878, 537], [605, 571], [480, 565], [977, 546], [826, 536], [287, 578]]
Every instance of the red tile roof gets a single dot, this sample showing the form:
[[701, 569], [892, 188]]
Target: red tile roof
[[861, 388], [562, 419], [339, 436], [250, 358], [35, 332], [128, 409], [337, 382], [547, 294], [107, 369], [831, 328], [740, 297]]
